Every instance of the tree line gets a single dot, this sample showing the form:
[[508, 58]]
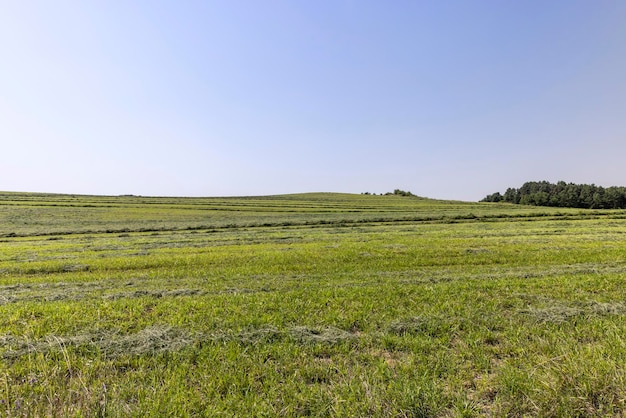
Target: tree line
[[396, 192], [561, 194]]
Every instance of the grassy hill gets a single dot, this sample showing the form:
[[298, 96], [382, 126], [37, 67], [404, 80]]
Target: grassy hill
[[23, 214], [311, 304]]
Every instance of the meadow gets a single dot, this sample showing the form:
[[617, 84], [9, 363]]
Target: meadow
[[309, 305]]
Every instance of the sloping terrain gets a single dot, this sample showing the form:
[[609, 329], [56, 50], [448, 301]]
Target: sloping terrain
[[313, 304]]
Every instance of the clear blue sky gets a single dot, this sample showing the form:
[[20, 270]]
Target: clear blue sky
[[447, 99]]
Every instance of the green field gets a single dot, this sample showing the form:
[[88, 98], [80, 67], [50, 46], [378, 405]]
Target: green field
[[309, 305]]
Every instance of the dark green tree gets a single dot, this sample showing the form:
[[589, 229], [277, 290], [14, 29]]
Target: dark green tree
[[495, 197], [561, 194]]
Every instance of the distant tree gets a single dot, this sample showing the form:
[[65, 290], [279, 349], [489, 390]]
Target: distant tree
[[570, 196], [585, 199], [495, 197], [511, 195], [540, 198], [543, 193], [398, 192], [615, 197]]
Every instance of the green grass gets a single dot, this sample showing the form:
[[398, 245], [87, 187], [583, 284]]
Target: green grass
[[313, 304]]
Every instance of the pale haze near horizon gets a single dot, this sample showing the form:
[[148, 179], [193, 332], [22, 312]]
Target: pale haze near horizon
[[451, 100]]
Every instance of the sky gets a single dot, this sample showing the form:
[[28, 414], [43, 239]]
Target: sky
[[446, 99]]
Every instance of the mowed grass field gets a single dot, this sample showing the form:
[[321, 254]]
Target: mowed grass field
[[309, 305]]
